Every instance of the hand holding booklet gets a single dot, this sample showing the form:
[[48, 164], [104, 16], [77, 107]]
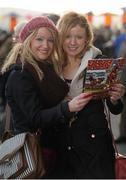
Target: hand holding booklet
[[101, 74]]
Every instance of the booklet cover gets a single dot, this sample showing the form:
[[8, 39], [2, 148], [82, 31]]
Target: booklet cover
[[101, 74]]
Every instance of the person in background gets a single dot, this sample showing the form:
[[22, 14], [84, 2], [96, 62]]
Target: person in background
[[17, 30], [117, 43], [34, 90], [8, 43], [85, 143], [54, 17], [122, 124], [5, 47]]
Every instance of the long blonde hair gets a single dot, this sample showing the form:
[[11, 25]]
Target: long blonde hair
[[23, 50], [64, 25]]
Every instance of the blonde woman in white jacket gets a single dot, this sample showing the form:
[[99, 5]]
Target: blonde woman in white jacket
[[85, 144]]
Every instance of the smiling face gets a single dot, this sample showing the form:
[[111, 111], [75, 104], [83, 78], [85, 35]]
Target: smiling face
[[42, 44], [75, 41]]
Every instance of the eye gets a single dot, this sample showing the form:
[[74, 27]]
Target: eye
[[68, 36], [51, 40], [80, 37], [39, 39]]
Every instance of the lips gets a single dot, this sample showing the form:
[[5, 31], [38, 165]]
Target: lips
[[72, 48], [43, 51]]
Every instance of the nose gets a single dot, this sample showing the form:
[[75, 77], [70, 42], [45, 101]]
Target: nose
[[45, 43], [73, 40]]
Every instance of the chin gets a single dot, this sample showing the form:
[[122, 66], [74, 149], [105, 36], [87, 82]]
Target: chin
[[43, 57]]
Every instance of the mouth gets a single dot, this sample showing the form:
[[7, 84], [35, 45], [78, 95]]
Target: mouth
[[72, 48], [43, 52]]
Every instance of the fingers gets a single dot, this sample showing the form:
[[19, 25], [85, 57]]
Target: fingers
[[119, 87], [79, 102], [116, 92]]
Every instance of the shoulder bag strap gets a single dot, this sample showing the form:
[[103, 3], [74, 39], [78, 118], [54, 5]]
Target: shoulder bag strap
[[110, 127], [8, 118]]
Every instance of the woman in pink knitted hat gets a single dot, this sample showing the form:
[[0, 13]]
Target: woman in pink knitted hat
[[34, 89]]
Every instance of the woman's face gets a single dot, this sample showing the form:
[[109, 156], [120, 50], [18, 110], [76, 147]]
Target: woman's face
[[75, 41], [42, 44]]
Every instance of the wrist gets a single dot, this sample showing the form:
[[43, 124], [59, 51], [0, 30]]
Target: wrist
[[114, 102]]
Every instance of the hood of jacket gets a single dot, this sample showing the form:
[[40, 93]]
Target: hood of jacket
[[76, 86]]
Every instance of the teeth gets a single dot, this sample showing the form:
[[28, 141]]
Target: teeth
[[73, 48], [43, 51]]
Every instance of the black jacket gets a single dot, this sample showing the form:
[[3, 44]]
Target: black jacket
[[86, 147], [37, 105]]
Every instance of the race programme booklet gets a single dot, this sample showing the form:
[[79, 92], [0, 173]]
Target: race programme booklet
[[101, 74]]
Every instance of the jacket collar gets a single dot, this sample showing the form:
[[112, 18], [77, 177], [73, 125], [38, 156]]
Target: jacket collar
[[92, 53]]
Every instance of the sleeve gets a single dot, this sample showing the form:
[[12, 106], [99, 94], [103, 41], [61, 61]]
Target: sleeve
[[3, 79], [115, 109], [21, 89], [123, 76]]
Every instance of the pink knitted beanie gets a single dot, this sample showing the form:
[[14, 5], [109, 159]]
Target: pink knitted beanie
[[34, 23]]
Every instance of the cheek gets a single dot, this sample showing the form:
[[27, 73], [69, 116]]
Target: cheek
[[66, 42], [65, 49], [51, 49], [65, 45], [52, 46], [32, 46], [82, 44]]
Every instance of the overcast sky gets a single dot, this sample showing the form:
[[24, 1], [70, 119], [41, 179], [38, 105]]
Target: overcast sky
[[61, 6]]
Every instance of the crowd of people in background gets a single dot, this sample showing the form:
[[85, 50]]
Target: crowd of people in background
[[5, 46], [105, 38], [113, 44]]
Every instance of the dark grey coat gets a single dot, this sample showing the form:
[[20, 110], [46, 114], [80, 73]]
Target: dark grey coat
[[37, 104]]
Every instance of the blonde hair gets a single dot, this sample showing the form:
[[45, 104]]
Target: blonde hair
[[26, 55], [68, 21]]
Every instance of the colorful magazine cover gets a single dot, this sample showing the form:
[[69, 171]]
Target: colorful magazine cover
[[101, 74]]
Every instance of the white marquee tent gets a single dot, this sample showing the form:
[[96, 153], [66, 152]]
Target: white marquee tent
[[25, 8], [60, 6]]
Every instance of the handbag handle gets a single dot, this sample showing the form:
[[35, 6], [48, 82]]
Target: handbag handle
[[8, 118], [7, 130], [8, 122], [110, 127]]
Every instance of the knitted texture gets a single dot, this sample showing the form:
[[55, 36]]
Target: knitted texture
[[35, 23]]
